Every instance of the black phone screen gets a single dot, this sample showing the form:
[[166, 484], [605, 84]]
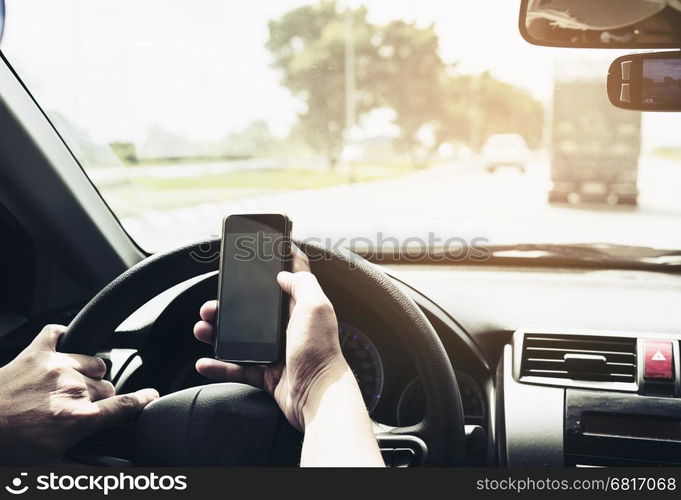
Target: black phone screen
[[251, 306]]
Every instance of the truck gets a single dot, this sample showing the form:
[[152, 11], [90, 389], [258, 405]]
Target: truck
[[595, 146]]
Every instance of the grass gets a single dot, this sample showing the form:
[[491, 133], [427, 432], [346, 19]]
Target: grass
[[271, 180], [144, 162], [668, 153], [155, 193]]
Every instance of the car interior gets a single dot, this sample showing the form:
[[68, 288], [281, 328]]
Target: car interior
[[553, 352]]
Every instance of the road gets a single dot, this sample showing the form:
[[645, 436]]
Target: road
[[450, 200]]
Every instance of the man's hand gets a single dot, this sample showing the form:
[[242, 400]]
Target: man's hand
[[314, 386], [50, 400], [313, 352]]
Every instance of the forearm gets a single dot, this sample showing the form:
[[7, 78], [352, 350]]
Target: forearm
[[338, 430]]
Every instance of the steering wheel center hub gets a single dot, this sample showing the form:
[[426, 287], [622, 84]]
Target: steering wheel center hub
[[216, 425]]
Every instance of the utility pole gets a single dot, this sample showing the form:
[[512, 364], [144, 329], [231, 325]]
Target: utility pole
[[350, 85], [78, 28]]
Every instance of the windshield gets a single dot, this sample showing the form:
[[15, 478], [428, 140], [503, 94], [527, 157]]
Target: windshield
[[365, 121]]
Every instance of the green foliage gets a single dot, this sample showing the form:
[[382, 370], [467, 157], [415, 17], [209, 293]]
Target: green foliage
[[125, 151], [255, 140], [308, 44], [475, 107], [410, 76], [397, 66]]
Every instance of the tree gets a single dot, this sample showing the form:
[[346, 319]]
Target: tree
[[255, 140], [308, 44], [477, 106], [125, 151], [398, 66], [409, 76]]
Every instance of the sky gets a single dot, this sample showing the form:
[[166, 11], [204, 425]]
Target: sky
[[200, 68]]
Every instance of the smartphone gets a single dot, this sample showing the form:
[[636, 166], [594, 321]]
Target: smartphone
[[252, 309]]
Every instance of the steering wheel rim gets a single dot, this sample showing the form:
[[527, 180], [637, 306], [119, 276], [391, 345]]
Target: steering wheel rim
[[442, 428]]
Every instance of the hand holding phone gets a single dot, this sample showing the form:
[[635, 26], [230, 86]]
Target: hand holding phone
[[313, 357], [315, 388], [252, 309]]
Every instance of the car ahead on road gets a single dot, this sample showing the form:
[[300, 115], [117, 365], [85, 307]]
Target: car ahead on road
[[505, 150], [484, 327]]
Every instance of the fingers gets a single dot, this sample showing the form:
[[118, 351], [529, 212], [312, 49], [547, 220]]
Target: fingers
[[215, 369], [302, 286], [300, 261], [90, 366], [209, 310], [100, 389], [48, 337], [204, 332], [124, 406]]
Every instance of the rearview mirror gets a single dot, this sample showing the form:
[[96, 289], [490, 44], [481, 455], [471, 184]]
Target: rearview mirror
[[646, 82], [615, 24]]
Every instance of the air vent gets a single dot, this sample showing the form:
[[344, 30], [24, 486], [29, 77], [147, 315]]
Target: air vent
[[579, 357]]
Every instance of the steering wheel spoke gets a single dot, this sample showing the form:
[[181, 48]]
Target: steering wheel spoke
[[400, 447]]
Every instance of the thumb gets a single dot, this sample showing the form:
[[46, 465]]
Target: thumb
[[124, 406], [285, 280], [48, 338], [301, 285]]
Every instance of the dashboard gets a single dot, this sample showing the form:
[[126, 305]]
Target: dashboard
[[407, 404], [586, 361], [489, 320]]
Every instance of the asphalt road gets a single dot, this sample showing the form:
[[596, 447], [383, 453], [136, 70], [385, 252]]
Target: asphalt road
[[457, 200]]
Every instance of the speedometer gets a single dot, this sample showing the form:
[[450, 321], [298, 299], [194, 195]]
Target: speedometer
[[365, 362], [412, 403]]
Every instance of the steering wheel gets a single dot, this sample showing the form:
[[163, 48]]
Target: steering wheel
[[234, 424]]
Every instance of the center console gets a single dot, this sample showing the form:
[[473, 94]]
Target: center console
[[589, 399]]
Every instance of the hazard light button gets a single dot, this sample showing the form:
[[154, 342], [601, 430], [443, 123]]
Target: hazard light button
[[658, 360]]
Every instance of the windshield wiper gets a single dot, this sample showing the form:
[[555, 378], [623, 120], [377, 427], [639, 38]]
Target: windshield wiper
[[591, 255], [611, 255], [531, 250]]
